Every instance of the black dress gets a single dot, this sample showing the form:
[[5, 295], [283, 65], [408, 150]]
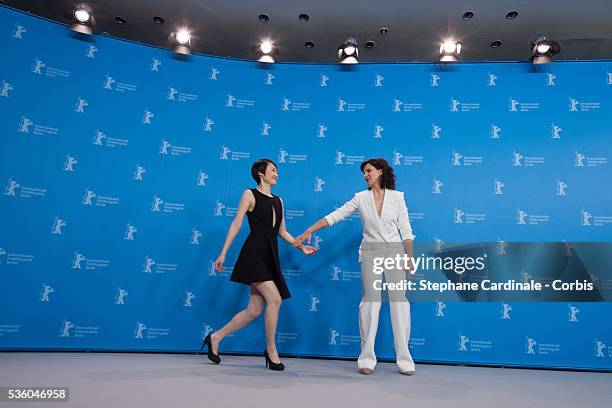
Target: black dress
[[258, 258]]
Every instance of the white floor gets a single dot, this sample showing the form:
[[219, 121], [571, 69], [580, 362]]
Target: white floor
[[186, 380]]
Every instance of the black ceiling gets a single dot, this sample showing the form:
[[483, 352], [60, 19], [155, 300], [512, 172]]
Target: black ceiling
[[231, 28]]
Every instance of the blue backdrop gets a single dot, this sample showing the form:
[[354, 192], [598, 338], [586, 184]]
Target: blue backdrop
[[122, 168]]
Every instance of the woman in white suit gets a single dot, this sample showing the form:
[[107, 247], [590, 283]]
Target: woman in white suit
[[384, 218]]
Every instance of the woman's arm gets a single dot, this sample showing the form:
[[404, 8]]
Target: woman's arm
[[290, 239], [283, 230], [403, 223], [330, 219], [246, 201]]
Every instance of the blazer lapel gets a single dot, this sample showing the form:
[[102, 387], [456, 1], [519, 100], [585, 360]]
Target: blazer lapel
[[374, 214]]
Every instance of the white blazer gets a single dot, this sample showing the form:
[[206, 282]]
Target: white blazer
[[393, 224]]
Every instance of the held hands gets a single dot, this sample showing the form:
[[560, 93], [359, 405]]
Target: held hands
[[304, 236], [307, 249]]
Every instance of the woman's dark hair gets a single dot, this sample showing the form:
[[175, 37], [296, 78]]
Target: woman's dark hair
[[260, 166], [387, 178]]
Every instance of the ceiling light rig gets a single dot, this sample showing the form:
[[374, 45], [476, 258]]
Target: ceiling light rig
[[181, 41], [267, 51], [349, 52], [83, 19], [543, 50], [450, 50]]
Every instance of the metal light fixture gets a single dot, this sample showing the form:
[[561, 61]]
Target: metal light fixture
[[181, 41], [349, 52], [267, 51], [83, 19], [450, 50], [543, 50]]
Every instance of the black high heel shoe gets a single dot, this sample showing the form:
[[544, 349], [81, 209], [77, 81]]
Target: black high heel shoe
[[211, 356], [271, 364]]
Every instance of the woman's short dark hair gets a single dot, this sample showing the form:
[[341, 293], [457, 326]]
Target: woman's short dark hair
[[260, 166], [387, 178]]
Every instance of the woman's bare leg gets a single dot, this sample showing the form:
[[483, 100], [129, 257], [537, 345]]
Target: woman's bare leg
[[241, 319], [273, 299]]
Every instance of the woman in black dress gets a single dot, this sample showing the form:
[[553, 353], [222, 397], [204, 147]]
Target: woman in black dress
[[257, 264]]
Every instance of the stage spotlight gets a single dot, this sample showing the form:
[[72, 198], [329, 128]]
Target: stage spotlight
[[349, 52], [84, 20], [449, 51], [267, 52], [543, 50], [181, 41]]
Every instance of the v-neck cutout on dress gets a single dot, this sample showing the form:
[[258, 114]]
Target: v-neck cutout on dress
[[382, 205]]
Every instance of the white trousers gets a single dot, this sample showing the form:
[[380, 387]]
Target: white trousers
[[369, 310]]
